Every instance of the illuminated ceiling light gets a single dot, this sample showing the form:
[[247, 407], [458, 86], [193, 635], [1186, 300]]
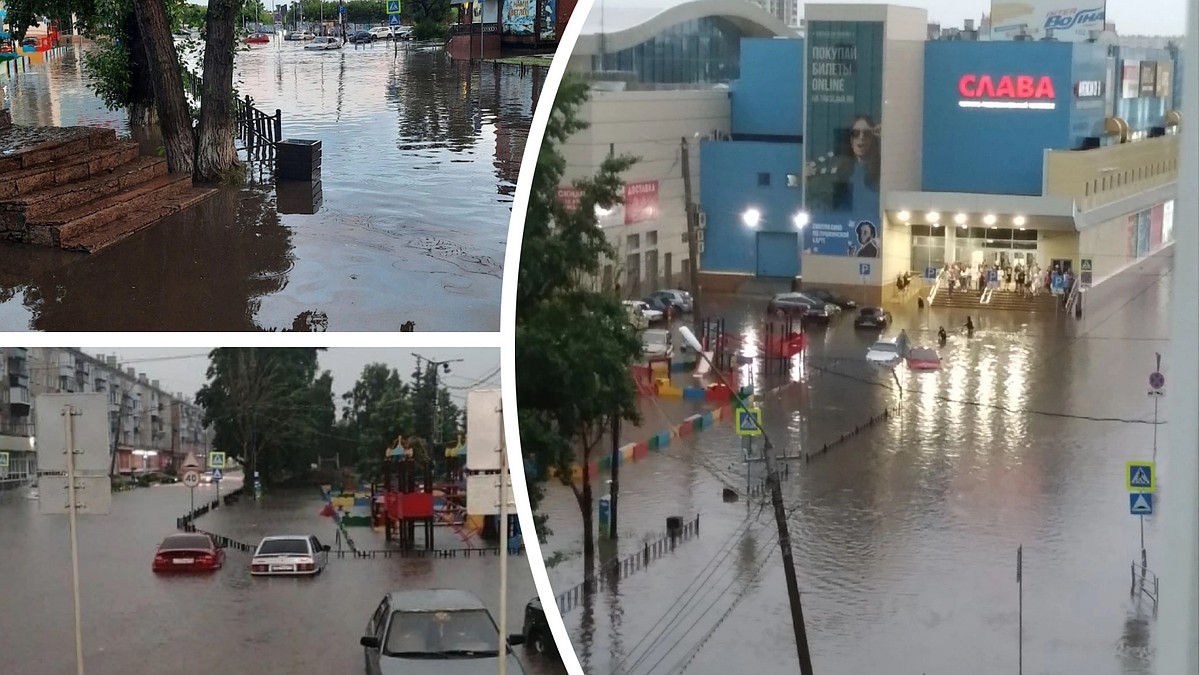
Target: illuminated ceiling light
[[960, 218], [603, 212], [933, 216], [750, 217], [904, 216], [989, 219], [1019, 221], [800, 219]]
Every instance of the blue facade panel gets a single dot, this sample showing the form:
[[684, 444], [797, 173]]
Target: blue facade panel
[[1143, 108], [1089, 71], [731, 177], [997, 149], [768, 99]]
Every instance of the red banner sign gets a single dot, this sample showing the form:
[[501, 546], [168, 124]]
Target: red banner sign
[[1006, 87], [569, 197], [641, 201]]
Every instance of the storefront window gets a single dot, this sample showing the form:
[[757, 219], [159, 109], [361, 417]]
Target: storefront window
[[701, 51], [928, 246]]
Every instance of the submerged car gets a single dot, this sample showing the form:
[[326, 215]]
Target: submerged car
[[873, 317], [832, 298], [680, 300], [289, 555], [536, 630], [886, 352], [322, 44], [188, 552], [362, 37], [923, 358], [435, 631]]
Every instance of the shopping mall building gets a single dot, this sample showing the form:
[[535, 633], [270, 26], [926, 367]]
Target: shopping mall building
[[864, 150]]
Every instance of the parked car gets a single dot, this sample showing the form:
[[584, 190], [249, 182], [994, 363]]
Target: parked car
[[642, 309], [188, 552], [363, 37], [681, 300], [831, 298], [323, 44], [289, 555], [923, 358], [656, 343], [419, 631], [873, 317], [785, 304], [887, 352], [536, 630]]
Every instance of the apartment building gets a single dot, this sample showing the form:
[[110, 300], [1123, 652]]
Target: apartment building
[[153, 429]]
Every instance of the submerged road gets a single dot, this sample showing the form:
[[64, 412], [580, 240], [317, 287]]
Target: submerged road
[[139, 623], [905, 536]]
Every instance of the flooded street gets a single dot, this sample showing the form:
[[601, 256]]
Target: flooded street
[[905, 535], [137, 622], [419, 164]]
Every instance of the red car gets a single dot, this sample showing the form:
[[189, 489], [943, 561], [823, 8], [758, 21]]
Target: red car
[[190, 552]]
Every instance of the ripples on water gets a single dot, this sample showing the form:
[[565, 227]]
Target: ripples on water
[[420, 161], [905, 536]]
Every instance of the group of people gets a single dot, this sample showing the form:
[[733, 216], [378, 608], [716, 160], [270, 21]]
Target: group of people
[[1018, 278]]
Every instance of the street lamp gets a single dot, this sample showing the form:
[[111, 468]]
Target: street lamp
[[751, 217], [801, 220]]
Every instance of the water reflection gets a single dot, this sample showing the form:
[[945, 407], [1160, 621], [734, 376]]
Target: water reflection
[[420, 160]]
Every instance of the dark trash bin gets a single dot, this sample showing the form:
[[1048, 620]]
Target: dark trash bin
[[298, 196], [298, 159]]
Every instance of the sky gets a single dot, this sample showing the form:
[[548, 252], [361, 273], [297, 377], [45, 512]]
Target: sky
[[182, 369], [1132, 17]]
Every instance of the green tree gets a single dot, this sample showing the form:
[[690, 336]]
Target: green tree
[[374, 413], [268, 407], [574, 346]]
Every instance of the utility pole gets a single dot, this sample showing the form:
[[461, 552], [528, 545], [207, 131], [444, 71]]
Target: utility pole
[[112, 467], [614, 485], [785, 539], [437, 397], [692, 227]]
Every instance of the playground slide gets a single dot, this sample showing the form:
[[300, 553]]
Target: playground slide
[[702, 364]]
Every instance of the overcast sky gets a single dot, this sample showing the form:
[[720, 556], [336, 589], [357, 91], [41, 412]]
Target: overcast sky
[[182, 369]]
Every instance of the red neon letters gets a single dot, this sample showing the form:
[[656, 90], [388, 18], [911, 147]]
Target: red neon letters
[[1007, 86]]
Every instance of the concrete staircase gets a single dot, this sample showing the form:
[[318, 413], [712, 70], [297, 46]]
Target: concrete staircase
[[1003, 300], [81, 189]]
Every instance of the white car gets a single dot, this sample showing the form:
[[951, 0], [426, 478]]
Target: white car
[[389, 33], [640, 314], [886, 352], [323, 43], [289, 555], [656, 343]]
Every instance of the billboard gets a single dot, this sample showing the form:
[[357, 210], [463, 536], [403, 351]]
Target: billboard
[[641, 201], [1147, 79], [485, 430], [842, 142], [549, 10], [1130, 78], [1163, 88], [1168, 222], [1062, 19]]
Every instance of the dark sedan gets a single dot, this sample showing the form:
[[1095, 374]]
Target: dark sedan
[[802, 304], [872, 317], [832, 298], [537, 630], [362, 37]]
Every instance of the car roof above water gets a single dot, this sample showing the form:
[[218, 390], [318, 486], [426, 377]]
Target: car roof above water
[[434, 599]]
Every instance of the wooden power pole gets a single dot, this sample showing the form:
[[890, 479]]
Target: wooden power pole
[[692, 227]]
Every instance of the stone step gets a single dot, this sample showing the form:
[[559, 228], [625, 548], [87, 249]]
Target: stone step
[[78, 221], [1041, 303], [15, 213], [38, 146], [80, 166], [150, 211]]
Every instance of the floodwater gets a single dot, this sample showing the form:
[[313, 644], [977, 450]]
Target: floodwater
[[140, 623], [905, 536], [419, 165]]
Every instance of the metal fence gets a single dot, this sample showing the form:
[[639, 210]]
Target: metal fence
[[258, 131], [623, 568]]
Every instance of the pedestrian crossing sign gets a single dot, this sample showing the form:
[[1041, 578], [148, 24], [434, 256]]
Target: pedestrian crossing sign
[[1139, 476], [393, 6], [393, 19], [1141, 504], [749, 421], [216, 460]]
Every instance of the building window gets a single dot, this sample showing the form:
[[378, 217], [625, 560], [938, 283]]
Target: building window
[[632, 242], [793, 180], [652, 238], [764, 180]]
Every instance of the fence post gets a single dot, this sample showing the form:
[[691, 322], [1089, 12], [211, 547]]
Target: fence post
[[278, 126]]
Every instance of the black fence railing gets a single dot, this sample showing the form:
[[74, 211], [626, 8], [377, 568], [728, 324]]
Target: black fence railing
[[619, 569], [258, 131]]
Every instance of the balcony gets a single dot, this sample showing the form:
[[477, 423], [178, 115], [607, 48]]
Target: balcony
[[1103, 176], [19, 396], [66, 370]]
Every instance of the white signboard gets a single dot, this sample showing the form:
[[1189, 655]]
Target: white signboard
[[91, 432], [1168, 225], [93, 495], [485, 430], [1062, 19], [483, 495]]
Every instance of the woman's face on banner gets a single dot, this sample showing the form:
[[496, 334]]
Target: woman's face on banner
[[862, 137]]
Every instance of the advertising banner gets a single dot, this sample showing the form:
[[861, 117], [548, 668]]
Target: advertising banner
[[1148, 79], [518, 16], [569, 197], [641, 201], [842, 141], [1062, 19], [1130, 76], [1168, 222], [1156, 223], [549, 9], [1163, 88], [1131, 225], [1143, 233]]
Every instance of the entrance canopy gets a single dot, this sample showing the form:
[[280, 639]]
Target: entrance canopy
[[965, 210]]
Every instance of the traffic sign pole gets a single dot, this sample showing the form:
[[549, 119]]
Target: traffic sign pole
[[68, 413]]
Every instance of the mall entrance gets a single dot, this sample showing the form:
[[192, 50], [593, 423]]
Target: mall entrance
[[939, 245]]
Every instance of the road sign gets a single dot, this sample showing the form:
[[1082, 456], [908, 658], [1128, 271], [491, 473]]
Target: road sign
[[993, 277], [1157, 380], [341, 9], [93, 452], [1085, 279], [191, 479], [3, 460], [931, 273], [393, 6], [217, 475], [1058, 283], [1141, 504], [1139, 476], [216, 460], [749, 421], [864, 269], [393, 19], [1085, 265], [190, 462], [278, 17]]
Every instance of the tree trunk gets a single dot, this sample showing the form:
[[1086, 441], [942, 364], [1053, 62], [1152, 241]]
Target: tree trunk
[[589, 530], [215, 152], [173, 113], [141, 82]]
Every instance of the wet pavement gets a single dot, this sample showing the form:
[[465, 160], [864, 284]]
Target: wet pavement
[[419, 165], [905, 535], [139, 623]]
